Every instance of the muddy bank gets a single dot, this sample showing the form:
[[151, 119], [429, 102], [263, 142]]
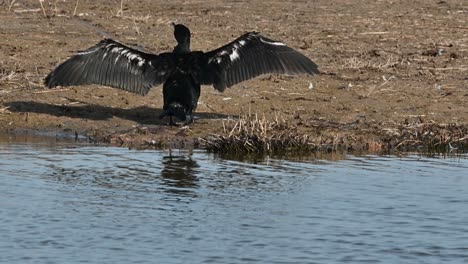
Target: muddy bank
[[395, 75]]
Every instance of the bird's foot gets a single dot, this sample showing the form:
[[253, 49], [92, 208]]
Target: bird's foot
[[188, 120]]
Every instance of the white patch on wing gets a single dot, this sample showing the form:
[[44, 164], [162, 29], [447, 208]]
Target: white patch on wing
[[133, 56], [128, 54], [88, 51], [116, 49], [234, 55], [217, 58], [275, 43]]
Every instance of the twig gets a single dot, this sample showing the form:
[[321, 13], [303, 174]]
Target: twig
[[207, 106], [374, 33], [35, 84], [137, 18], [447, 69], [43, 9], [5, 110], [135, 26], [27, 10], [11, 5], [76, 7], [120, 11], [461, 139], [406, 141], [52, 91]]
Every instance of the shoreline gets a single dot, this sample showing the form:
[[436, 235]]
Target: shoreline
[[250, 135]]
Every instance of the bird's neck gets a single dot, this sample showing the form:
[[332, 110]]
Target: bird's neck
[[182, 47]]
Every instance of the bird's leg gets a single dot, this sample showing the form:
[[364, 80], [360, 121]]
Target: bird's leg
[[171, 121], [188, 119]]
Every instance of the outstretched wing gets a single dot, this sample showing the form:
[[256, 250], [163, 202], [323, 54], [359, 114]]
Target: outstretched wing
[[111, 63], [251, 55]]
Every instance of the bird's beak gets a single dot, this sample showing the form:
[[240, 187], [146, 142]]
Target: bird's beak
[[173, 24]]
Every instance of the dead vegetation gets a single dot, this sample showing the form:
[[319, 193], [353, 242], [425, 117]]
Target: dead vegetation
[[9, 77], [426, 136], [251, 134], [56, 8], [13, 76], [375, 62], [278, 136]]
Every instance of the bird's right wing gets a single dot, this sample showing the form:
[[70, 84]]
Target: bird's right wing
[[114, 64], [251, 55]]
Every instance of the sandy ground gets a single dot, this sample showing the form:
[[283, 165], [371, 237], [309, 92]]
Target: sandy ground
[[384, 64]]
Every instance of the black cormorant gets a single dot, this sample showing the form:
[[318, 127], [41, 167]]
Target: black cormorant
[[182, 71]]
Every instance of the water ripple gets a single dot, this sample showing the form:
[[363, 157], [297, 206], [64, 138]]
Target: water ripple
[[63, 203]]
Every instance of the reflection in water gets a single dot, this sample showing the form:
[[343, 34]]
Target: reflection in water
[[262, 158], [179, 172], [174, 174]]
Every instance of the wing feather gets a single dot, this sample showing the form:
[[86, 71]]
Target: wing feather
[[251, 55], [114, 64]]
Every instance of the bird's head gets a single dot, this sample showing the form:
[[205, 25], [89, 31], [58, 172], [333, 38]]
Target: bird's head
[[181, 33]]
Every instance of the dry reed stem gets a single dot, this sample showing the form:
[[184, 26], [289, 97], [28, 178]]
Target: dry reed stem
[[10, 4], [120, 11], [76, 7], [43, 8]]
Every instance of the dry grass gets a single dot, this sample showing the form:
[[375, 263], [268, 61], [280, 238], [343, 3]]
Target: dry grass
[[9, 3], [426, 136], [14, 76], [251, 134], [8, 75], [278, 136], [120, 13], [51, 9], [377, 63]]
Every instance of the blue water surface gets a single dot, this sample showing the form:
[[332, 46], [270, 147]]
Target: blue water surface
[[76, 203]]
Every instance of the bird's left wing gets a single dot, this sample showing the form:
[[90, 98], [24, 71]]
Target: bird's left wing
[[114, 64], [251, 55]]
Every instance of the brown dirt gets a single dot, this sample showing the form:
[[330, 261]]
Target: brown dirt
[[386, 65]]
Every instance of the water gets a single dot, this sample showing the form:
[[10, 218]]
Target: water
[[60, 203]]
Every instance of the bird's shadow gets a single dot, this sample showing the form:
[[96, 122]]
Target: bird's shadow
[[142, 114]]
